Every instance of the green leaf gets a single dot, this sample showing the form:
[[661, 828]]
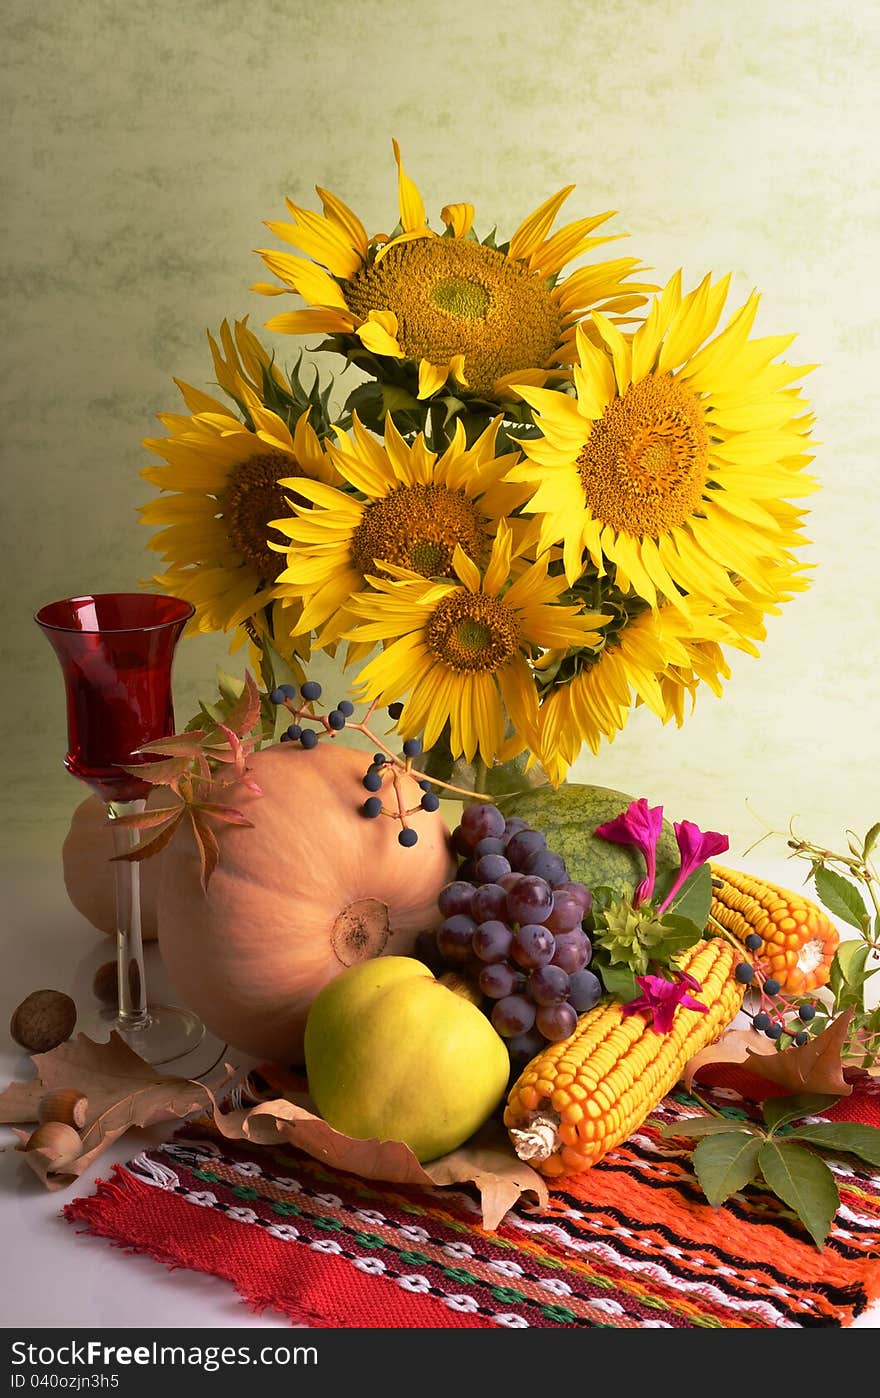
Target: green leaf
[[779, 1110], [693, 899], [842, 898], [725, 1163], [697, 1126], [620, 982], [804, 1182], [679, 933], [848, 1136], [847, 976], [871, 839]]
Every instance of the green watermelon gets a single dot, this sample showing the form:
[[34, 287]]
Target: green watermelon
[[568, 816]]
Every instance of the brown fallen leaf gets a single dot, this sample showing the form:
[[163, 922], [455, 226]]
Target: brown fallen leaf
[[815, 1067], [123, 1091], [487, 1160]]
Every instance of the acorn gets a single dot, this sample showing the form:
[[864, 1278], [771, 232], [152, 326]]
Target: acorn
[[66, 1105], [43, 1020], [61, 1143]]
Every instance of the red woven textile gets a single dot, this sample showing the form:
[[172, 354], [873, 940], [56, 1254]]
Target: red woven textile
[[631, 1244]]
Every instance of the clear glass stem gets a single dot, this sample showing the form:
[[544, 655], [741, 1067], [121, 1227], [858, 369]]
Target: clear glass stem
[[131, 982]]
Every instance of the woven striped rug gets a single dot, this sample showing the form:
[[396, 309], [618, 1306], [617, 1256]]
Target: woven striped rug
[[631, 1244]]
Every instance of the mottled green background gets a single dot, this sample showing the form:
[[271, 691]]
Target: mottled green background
[[144, 144]]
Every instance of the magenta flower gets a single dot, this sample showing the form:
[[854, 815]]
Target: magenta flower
[[660, 999], [695, 847], [640, 825]]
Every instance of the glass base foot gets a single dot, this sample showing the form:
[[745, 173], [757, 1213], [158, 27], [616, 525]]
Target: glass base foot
[[169, 1033]]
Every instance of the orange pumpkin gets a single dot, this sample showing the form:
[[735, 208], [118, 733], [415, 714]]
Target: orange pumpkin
[[311, 888], [89, 875]]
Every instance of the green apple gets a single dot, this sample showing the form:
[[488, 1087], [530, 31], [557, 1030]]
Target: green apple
[[393, 1054]]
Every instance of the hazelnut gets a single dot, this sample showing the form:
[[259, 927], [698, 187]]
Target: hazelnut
[[59, 1141], [106, 983], [45, 1019], [65, 1105]]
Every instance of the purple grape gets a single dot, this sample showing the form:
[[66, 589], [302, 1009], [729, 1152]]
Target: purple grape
[[532, 946], [567, 912], [466, 871], [513, 1015], [460, 842], [584, 991], [454, 937], [526, 1046], [555, 1021], [492, 940], [455, 898], [490, 845], [547, 986], [573, 951], [498, 980], [507, 881], [530, 900], [521, 845], [513, 825], [546, 865], [579, 891], [491, 867], [479, 821], [490, 902]]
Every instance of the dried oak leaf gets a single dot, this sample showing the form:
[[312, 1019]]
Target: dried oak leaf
[[487, 1160], [122, 1091], [817, 1066]]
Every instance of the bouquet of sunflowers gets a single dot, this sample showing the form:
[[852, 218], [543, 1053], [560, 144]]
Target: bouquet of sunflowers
[[557, 491]]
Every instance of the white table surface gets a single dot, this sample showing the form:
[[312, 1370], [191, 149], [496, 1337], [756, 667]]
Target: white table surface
[[53, 1275]]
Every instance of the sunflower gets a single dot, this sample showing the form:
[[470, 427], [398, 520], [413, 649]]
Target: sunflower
[[220, 490], [413, 509], [482, 315], [460, 650], [672, 464]]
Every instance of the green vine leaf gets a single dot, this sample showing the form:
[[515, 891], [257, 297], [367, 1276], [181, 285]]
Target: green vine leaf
[[804, 1182], [697, 1126], [726, 1163], [778, 1111], [871, 839], [842, 898], [847, 1136]]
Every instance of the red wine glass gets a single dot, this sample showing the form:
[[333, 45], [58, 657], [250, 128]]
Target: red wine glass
[[116, 651]]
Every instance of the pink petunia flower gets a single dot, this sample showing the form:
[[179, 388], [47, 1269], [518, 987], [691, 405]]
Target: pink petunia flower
[[640, 825], [660, 999], [695, 846]]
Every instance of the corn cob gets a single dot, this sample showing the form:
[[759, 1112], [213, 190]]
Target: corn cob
[[798, 940], [583, 1096]]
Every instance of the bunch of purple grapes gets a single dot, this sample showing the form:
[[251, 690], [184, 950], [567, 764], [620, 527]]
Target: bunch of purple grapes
[[513, 924]]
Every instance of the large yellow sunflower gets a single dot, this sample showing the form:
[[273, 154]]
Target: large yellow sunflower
[[460, 651], [220, 492], [482, 315], [673, 464], [413, 508]]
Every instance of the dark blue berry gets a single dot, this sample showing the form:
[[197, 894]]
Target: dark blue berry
[[372, 807], [336, 719], [372, 781], [379, 760], [310, 690], [771, 987], [774, 1032], [407, 838], [309, 739], [345, 706], [395, 710], [801, 1038], [430, 802], [425, 785], [278, 695], [744, 973], [753, 942], [412, 747], [806, 1011], [285, 738], [294, 732], [761, 1021]]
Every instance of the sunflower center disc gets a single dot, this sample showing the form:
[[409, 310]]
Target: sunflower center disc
[[418, 527], [453, 296], [645, 462], [470, 631], [252, 498]]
